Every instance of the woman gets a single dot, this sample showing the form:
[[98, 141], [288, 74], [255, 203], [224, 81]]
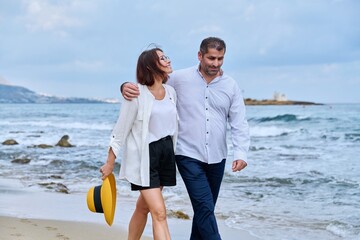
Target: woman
[[146, 133]]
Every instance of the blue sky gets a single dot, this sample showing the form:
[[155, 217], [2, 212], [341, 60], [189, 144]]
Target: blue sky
[[306, 49]]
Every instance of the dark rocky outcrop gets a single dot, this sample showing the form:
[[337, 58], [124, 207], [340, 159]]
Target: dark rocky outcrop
[[58, 187], [10, 142], [177, 214], [21, 160], [63, 142], [42, 146]]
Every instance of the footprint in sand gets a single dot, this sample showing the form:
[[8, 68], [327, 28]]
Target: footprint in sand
[[25, 220], [62, 237], [51, 228], [16, 235]]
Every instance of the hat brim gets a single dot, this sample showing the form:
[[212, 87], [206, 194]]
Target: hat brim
[[108, 198], [102, 199]]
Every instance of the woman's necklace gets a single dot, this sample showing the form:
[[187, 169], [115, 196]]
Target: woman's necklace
[[158, 93]]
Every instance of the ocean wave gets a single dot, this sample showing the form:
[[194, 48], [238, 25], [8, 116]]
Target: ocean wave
[[355, 137], [305, 179], [271, 131], [255, 148], [344, 230], [301, 147], [297, 157], [283, 118], [41, 162], [291, 227]]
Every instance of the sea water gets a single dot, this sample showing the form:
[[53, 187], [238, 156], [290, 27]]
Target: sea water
[[302, 181]]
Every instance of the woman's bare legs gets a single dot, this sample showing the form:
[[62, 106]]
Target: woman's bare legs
[[155, 202], [138, 219]]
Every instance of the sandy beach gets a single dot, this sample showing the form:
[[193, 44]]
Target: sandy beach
[[31, 229], [27, 213], [37, 229]]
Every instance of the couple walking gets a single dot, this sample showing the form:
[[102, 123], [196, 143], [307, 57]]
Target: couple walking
[[181, 123]]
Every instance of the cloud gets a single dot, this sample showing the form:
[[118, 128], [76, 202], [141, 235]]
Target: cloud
[[278, 44], [55, 17]]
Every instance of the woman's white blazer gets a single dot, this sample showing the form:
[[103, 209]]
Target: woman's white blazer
[[131, 133]]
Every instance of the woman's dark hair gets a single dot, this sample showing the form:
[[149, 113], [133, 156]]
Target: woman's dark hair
[[147, 68], [212, 42]]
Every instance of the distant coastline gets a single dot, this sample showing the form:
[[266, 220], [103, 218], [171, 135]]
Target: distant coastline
[[18, 94], [250, 101]]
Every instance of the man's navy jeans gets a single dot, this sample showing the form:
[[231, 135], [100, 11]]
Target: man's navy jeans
[[202, 182]]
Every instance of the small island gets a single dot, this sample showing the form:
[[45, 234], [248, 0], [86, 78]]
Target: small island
[[249, 101], [278, 99]]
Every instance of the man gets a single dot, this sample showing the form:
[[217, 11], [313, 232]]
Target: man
[[208, 100]]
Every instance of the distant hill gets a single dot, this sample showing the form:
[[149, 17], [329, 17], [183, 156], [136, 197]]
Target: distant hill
[[17, 94]]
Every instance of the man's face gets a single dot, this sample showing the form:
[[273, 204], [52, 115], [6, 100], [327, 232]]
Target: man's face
[[211, 62]]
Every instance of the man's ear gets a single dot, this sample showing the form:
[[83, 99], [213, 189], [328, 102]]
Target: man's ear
[[199, 55]]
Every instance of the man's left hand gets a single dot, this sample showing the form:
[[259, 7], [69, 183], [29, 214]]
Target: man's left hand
[[238, 165]]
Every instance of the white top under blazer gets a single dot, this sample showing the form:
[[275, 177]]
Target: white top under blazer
[[130, 136]]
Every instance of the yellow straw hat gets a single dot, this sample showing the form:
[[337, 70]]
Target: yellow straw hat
[[102, 198]]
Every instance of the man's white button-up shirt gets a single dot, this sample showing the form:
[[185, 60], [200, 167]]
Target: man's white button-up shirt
[[204, 111]]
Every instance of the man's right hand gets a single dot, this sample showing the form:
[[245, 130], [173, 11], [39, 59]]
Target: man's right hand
[[130, 91]]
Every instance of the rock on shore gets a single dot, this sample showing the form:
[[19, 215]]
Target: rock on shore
[[10, 142], [64, 142]]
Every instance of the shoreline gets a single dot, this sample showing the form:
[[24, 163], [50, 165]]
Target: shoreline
[[27, 213]]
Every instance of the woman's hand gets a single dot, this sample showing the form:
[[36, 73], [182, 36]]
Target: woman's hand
[[106, 170]]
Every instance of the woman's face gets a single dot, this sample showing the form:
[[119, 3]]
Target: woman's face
[[164, 62]]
